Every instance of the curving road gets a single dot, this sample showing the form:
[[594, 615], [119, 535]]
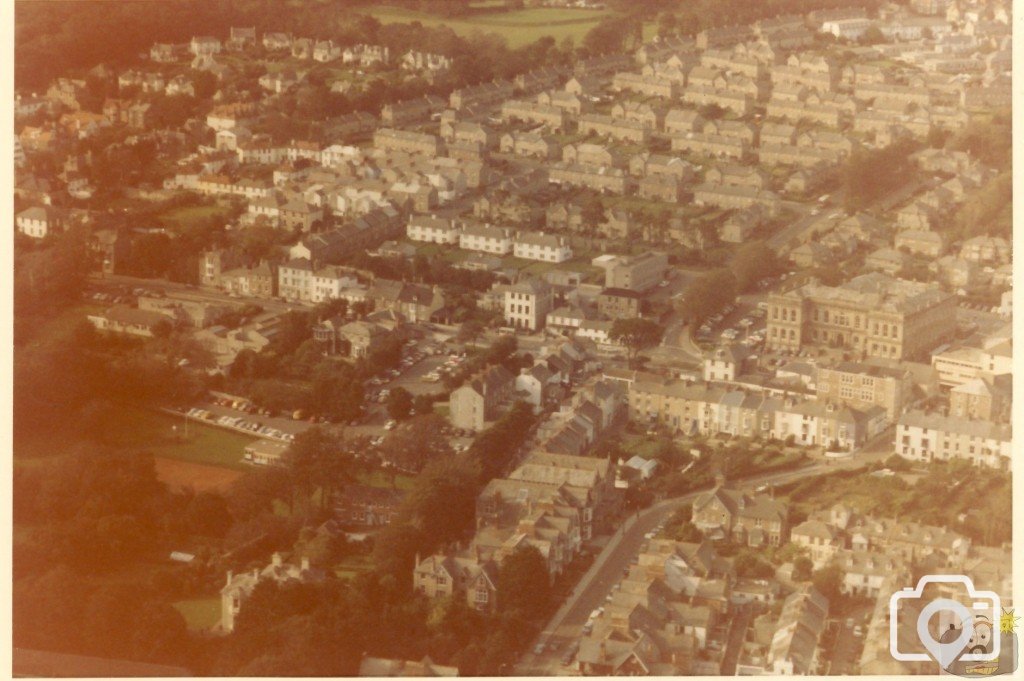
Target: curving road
[[590, 593]]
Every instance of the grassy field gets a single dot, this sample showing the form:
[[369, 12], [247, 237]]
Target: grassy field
[[520, 27], [199, 613], [155, 432], [377, 478], [352, 565], [186, 216]]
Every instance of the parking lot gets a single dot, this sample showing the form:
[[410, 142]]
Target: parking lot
[[242, 420], [742, 323]]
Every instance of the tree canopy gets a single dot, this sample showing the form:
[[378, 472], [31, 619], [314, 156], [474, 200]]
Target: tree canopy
[[637, 334]]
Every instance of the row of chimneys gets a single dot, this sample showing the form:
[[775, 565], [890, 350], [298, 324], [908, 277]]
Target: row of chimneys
[[277, 561]]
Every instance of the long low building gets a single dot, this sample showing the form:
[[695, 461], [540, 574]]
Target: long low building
[[735, 197], [603, 178], [711, 145]]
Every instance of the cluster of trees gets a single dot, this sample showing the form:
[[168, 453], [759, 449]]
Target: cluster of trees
[[430, 271], [871, 174], [713, 290], [86, 521], [636, 334], [689, 18], [980, 509], [293, 373]]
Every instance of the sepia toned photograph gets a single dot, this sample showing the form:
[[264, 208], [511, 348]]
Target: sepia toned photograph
[[524, 338]]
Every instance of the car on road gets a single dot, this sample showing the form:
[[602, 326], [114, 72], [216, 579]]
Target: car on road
[[858, 631], [538, 649], [390, 425], [849, 623]]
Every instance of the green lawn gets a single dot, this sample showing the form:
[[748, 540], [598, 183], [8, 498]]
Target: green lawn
[[187, 216], [643, 446], [351, 566], [520, 27], [155, 432], [199, 613], [377, 478]]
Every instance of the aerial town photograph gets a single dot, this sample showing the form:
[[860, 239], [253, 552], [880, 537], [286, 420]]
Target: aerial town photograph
[[512, 338]]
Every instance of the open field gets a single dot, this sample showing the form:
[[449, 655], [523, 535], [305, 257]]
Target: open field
[[519, 27], [187, 216], [197, 476], [199, 613], [351, 566], [164, 436]]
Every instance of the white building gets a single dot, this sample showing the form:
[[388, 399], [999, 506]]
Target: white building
[[487, 239], [850, 29], [541, 246], [204, 45], [432, 229], [930, 437], [527, 304], [36, 221]]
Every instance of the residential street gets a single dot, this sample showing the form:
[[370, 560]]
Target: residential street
[[608, 568]]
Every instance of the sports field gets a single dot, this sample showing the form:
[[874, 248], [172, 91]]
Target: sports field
[[519, 27]]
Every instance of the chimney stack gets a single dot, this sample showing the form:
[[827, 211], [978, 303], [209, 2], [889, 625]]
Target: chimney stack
[[277, 559], [305, 563], [230, 576]]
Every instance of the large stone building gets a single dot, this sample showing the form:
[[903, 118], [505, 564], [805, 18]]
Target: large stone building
[[865, 385], [527, 304], [873, 314], [476, 402], [636, 273]]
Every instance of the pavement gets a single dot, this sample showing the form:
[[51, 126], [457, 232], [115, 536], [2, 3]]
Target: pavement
[[625, 544]]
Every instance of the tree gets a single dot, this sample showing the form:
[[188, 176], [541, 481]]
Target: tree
[[524, 585], [636, 334], [871, 174], [872, 35], [802, 569], [667, 25], [707, 294], [752, 566], [399, 404], [423, 404], [417, 442], [470, 330], [753, 262], [828, 581], [607, 36], [317, 461], [442, 501], [502, 349], [592, 215]]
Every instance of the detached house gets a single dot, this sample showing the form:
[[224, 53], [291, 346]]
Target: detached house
[[466, 576], [754, 520], [476, 402], [37, 221]]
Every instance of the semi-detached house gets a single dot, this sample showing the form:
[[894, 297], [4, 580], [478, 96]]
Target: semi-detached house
[[486, 238], [541, 246], [432, 229]]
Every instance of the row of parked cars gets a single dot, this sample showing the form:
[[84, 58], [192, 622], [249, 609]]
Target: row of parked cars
[[239, 423]]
